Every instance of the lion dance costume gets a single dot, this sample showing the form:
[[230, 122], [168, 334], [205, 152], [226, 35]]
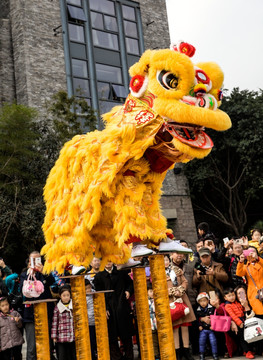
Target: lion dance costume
[[103, 192]]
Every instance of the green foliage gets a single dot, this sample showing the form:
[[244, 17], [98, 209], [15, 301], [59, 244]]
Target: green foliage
[[29, 147], [224, 184]]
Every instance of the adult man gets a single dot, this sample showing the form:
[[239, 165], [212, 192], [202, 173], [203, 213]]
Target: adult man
[[230, 262], [208, 275], [95, 268], [118, 309]]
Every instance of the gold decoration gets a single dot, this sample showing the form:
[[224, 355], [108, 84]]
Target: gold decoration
[[101, 327], [162, 308], [143, 316], [80, 317], [41, 331]]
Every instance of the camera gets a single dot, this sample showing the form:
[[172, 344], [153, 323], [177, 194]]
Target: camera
[[201, 268]]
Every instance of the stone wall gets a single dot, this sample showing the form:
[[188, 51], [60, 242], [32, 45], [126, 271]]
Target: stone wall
[[38, 54], [155, 24], [7, 81], [177, 206]]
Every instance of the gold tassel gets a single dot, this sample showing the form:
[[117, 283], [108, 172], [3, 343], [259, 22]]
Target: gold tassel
[[41, 331], [80, 317], [101, 327], [162, 308], [143, 317]]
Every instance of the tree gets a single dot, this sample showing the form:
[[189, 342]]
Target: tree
[[225, 183], [29, 147], [17, 153]]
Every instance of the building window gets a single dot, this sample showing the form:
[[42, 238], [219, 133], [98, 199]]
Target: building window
[[105, 40], [76, 33], [104, 6], [76, 13], [108, 73], [107, 31]]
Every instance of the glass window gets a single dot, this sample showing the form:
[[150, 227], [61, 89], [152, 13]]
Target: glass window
[[78, 50], [128, 12], [119, 92], [76, 33], [76, 13], [74, 2], [110, 23], [132, 46], [96, 20], [108, 73], [103, 90], [106, 106], [79, 68], [81, 87], [104, 6], [105, 40], [130, 29]]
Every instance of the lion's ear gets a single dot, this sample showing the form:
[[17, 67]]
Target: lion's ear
[[142, 66]]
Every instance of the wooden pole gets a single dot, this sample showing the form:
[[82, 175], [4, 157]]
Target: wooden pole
[[162, 308], [143, 315], [80, 318], [102, 338]]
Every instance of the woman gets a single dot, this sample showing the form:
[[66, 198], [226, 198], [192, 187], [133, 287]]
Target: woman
[[255, 238], [177, 286], [253, 271]]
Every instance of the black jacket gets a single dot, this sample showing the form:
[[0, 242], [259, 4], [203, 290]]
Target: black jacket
[[120, 320], [202, 312]]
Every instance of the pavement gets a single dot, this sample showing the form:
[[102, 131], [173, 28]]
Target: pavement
[[136, 355]]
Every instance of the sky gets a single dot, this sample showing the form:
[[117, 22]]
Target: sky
[[229, 32]]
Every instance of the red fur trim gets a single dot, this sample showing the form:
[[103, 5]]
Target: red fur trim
[[132, 239]]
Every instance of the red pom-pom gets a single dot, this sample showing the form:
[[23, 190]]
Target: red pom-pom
[[136, 83], [187, 49]]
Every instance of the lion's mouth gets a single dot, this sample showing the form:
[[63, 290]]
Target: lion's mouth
[[192, 135]]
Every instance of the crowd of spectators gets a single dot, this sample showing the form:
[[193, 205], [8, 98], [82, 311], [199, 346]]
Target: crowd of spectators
[[225, 279]]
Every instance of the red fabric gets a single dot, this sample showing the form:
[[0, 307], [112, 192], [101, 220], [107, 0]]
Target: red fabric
[[235, 310], [230, 345], [158, 163], [129, 173], [132, 239]]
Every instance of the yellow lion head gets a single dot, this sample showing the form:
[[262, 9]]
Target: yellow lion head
[[185, 96]]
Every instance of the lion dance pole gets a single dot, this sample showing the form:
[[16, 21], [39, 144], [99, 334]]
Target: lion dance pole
[[142, 311], [80, 318], [162, 308]]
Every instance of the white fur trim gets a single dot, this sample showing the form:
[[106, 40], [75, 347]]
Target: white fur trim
[[142, 89]]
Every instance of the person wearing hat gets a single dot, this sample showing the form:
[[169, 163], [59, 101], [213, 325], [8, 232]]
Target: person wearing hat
[[208, 274], [203, 313]]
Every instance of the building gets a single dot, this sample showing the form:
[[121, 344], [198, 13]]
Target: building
[[86, 48]]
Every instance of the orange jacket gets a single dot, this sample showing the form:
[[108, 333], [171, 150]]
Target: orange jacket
[[236, 311], [256, 272]]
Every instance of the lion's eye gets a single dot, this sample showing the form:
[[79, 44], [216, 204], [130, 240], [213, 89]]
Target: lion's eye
[[167, 79]]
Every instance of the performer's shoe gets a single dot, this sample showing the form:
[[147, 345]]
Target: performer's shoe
[[129, 264], [77, 270], [173, 245], [140, 250]]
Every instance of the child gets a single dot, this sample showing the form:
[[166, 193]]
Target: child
[[91, 318], [225, 343], [62, 331], [203, 312], [236, 311], [153, 321], [11, 338]]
